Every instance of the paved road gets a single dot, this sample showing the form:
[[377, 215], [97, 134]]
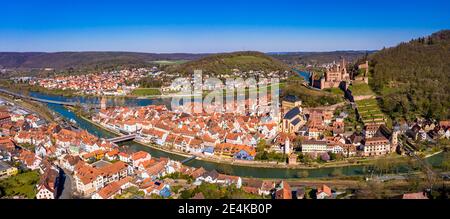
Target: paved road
[[315, 183], [390, 177], [65, 191]]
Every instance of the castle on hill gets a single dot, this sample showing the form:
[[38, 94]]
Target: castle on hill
[[333, 77]]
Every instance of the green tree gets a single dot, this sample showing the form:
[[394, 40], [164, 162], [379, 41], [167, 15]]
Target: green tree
[[412, 78]]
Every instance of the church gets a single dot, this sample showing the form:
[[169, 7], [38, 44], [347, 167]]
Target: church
[[293, 118]]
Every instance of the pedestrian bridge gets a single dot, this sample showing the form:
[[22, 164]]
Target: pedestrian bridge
[[122, 138]]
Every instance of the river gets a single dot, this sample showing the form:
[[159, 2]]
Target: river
[[244, 171], [305, 75]]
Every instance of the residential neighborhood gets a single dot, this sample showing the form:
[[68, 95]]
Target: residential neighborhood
[[72, 162], [235, 136], [113, 83], [166, 109]]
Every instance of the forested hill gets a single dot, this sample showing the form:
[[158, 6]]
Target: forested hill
[[413, 78], [319, 58], [64, 60], [224, 63]]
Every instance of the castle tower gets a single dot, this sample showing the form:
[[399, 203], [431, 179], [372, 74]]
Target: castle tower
[[394, 140], [345, 74], [322, 83]]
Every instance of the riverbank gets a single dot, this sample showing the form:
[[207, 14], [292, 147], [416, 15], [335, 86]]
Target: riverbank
[[37, 108], [136, 141], [20, 87], [251, 171], [259, 164]]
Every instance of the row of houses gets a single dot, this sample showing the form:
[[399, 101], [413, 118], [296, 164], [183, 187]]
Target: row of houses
[[323, 132], [100, 169], [282, 190], [206, 134], [367, 144]]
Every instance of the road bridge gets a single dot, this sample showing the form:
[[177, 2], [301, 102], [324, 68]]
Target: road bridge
[[122, 138], [189, 159], [46, 100]]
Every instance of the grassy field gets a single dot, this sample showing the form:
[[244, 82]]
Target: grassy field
[[21, 184], [360, 89], [129, 193], [335, 90], [310, 97], [146, 91]]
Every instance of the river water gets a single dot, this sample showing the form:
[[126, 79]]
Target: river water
[[256, 172], [305, 75]]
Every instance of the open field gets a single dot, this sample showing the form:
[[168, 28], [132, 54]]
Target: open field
[[360, 89], [335, 90]]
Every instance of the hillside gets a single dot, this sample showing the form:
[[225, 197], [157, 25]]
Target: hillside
[[224, 63], [64, 60], [413, 78], [309, 97], [318, 58]]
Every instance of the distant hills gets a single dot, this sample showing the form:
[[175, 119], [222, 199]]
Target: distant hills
[[413, 78], [64, 60], [224, 63], [92, 60]]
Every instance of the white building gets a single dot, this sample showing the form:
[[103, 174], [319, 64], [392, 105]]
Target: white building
[[310, 146]]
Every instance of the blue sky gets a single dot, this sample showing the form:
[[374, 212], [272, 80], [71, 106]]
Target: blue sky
[[216, 26]]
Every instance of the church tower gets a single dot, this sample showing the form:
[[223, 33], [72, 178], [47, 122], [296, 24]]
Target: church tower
[[287, 146], [345, 74], [394, 139]]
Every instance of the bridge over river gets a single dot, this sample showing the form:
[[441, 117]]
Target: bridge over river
[[46, 100], [189, 159], [122, 138], [238, 170]]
